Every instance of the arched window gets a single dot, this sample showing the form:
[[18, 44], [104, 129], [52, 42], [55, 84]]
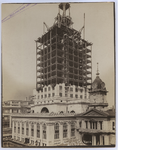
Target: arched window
[[27, 129], [56, 129], [32, 129], [38, 130], [22, 128], [44, 131], [61, 112], [65, 130], [44, 110], [72, 111], [18, 127], [72, 129]]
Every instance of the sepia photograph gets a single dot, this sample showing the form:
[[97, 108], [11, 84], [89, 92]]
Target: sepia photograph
[[58, 75]]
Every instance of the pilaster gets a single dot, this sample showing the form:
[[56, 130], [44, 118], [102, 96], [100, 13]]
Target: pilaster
[[93, 140], [35, 131], [13, 129], [29, 132], [61, 132], [106, 137], [20, 131], [41, 135], [69, 130]]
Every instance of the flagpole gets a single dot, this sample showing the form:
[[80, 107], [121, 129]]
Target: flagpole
[[84, 28]]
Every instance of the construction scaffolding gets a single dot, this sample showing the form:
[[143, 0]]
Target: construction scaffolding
[[62, 55]]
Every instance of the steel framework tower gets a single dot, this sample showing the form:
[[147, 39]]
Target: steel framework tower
[[62, 55]]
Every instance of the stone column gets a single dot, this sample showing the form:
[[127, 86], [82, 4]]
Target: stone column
[[20, 131], [35, 131], [101, 140], [88, 124], [93, 140], [63, 90], [16, 129], [106, 137], [51, 132], [10, 121], [10, 111], [24, 129], [74, 91], [51, 91], [83, 93], [29, 135], [83, 124], [69, 130], [12, 129], [57, 90], [98, 125], [41, 135], [61, 132], [48, 135]]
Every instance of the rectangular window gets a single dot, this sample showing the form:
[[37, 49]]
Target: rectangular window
[[71, 95], [72, 129], [45, 95], [22, 130], [76, 89], [38, 97], [41, 96], [81, 96], [27, 131], [44, 134], [86, 124], [76, 96], [15, 129], [60, 87], [53, 94], [66, 95], [80, 124], [45, 89], [32, 132], [100, 125], [49, 95], [113, 125], [103, 141], [38, 133], [49, 88], [71, 89], [18, 129], [85, 97], [60, 94]]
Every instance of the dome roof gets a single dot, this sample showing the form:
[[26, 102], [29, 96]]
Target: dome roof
[[98, 84]]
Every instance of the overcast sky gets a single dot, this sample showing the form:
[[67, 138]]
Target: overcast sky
[[19, 49]]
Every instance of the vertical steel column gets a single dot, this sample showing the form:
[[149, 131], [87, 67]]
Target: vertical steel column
[[91, 67], [56, 56], [36, 65], [50, 55]]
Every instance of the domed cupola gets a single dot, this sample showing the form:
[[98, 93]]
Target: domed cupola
[[98, 84]]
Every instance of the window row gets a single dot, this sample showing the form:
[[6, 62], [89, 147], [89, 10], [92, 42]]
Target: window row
[[60, 94], [60, 88], [32, 130], [65, 130]]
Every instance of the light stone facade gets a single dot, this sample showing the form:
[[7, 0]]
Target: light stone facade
[[101, 130]]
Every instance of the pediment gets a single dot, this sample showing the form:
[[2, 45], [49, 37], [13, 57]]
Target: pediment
[[94, 112]]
